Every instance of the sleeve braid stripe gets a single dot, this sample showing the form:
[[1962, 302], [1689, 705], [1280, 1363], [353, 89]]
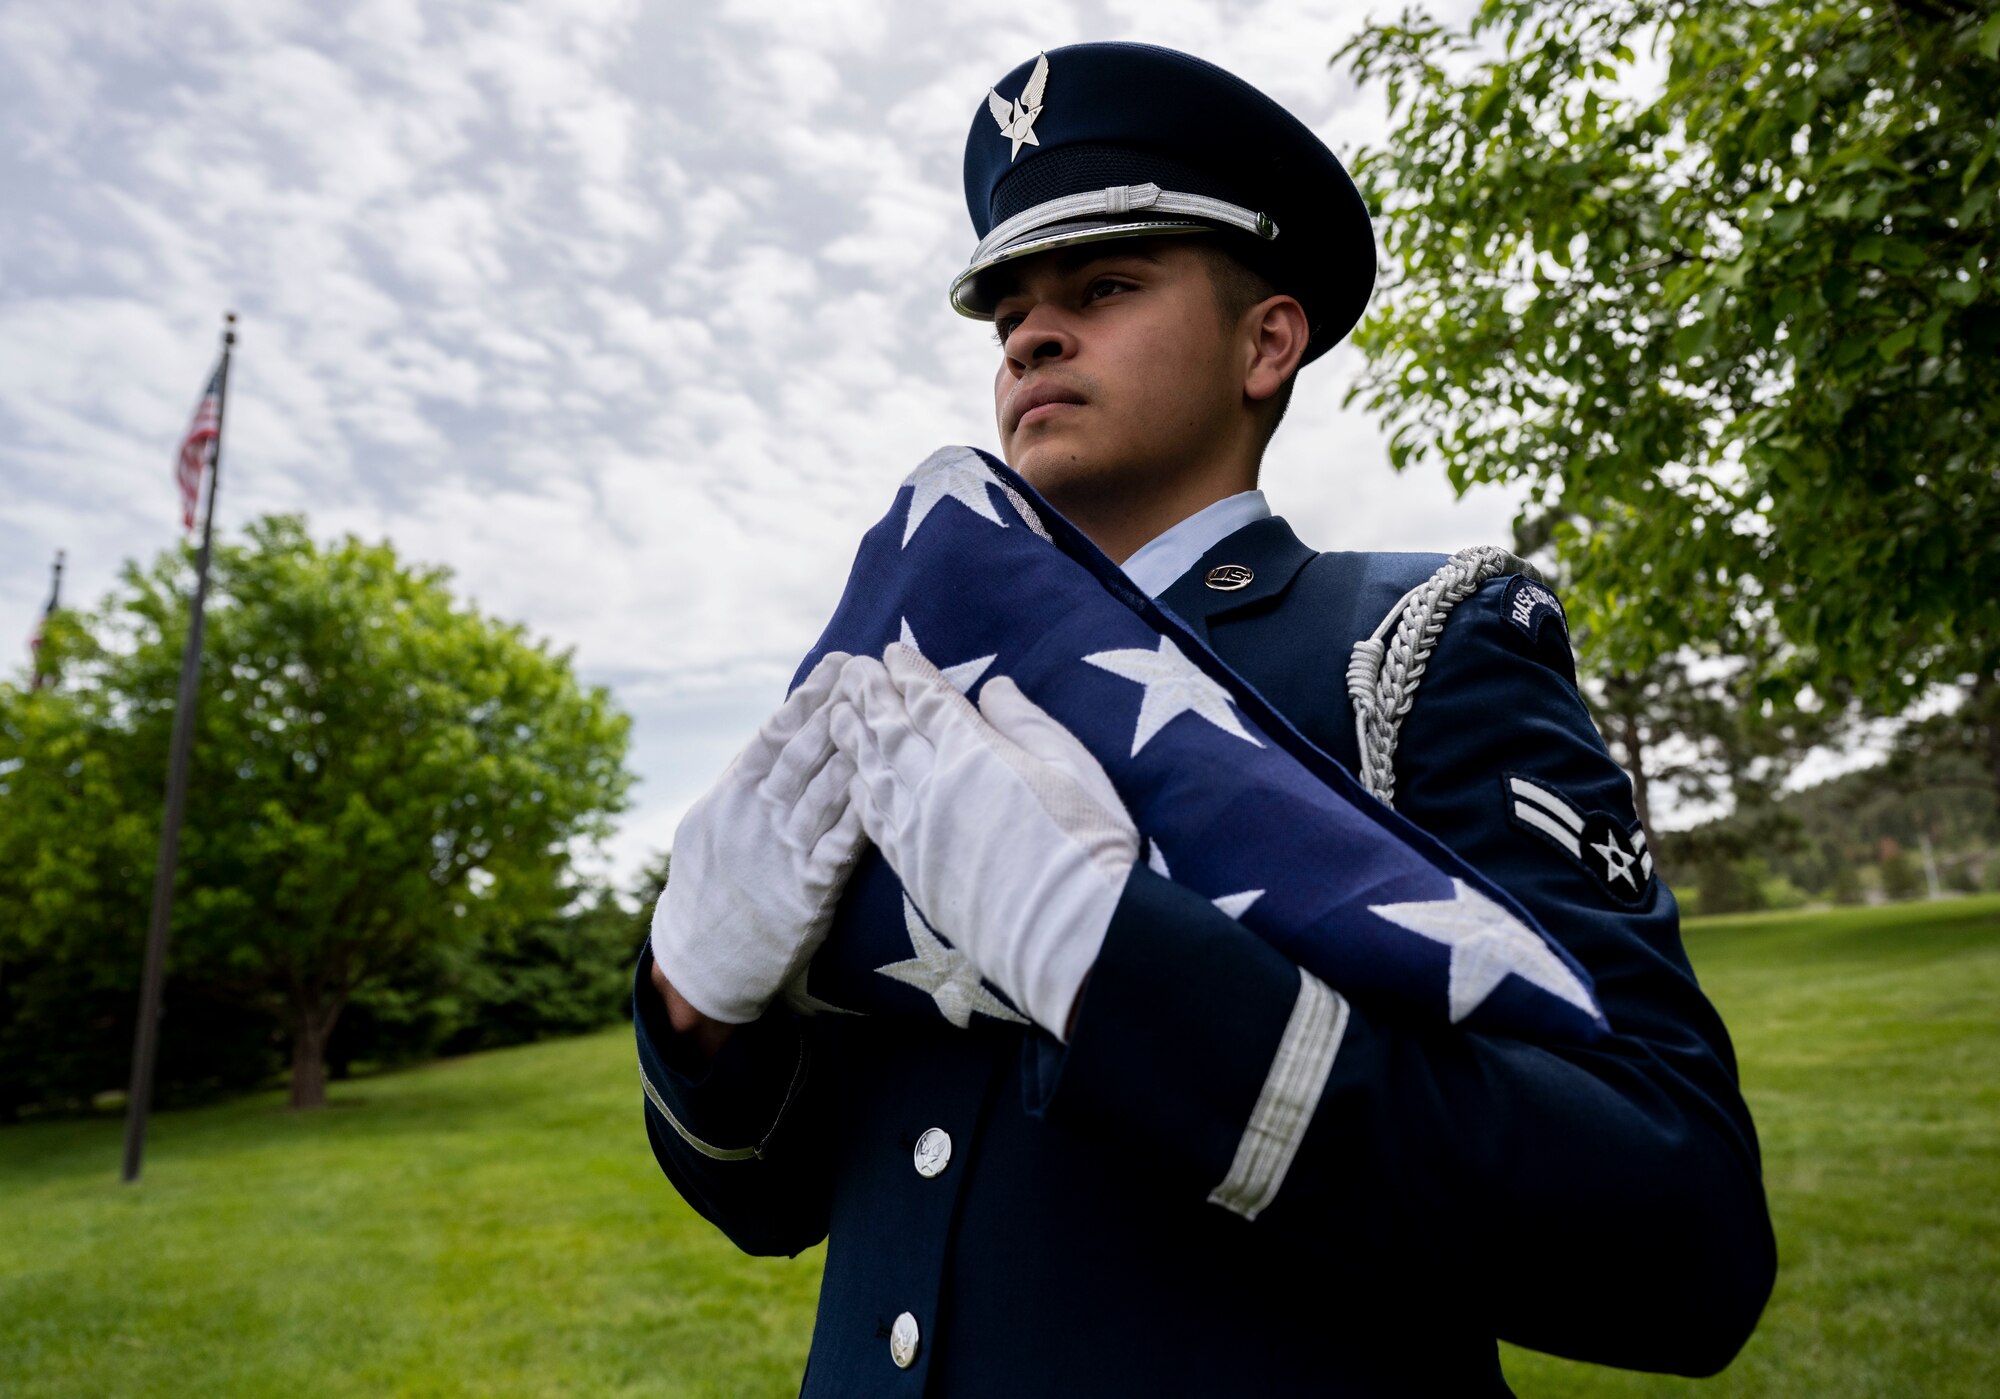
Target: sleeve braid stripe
[[717, 1153], [1285, 1106]]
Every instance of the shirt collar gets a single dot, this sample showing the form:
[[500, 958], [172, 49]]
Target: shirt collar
[[1161, 560]]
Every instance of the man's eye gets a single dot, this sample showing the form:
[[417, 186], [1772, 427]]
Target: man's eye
[[1103, 285], [1004, 326]]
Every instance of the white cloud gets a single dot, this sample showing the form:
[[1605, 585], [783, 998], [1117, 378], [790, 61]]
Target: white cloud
[[633, 315]]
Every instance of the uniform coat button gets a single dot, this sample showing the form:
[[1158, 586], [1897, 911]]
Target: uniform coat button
[[903, 1339], [933, 1152]]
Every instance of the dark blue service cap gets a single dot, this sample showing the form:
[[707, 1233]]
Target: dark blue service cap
[[1100, 141]]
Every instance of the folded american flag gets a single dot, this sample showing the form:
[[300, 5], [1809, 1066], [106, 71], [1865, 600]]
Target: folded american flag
[[983, 578]]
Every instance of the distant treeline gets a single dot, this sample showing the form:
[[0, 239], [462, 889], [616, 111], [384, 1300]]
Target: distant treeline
[[67, 1013], [1880, 833]]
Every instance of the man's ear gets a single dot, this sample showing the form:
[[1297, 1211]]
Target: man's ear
[[1275, 341]]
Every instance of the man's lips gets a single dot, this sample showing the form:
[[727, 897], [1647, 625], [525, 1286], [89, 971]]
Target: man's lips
[[1035, 402]]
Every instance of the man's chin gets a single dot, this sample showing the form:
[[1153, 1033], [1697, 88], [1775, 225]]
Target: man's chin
[[1055, 463]]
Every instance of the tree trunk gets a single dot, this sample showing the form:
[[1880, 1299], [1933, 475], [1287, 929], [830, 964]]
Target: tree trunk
[[1985, 705], [1635, 748], [311, 1027], [1625, 695]]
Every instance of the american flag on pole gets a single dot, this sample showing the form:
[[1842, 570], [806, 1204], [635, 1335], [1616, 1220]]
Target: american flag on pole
[[42, 622], [197, 448], [976, 572]]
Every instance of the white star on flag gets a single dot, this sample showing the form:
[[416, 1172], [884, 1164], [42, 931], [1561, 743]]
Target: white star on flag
[[945, 975], [798, 995], [1486, 943], [1174, 685], [962, 676], [1235, 905], [954, 473]]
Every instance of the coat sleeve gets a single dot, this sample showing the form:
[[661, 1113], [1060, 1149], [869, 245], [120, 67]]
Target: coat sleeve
[[743, 1137], [1603, 1203]]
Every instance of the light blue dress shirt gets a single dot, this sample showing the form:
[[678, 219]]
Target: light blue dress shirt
[[1159, 561]]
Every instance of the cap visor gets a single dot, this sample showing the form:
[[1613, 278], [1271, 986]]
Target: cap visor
[[970, 298]]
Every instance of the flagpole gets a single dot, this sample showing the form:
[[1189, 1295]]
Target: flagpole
[[146, 1041], [55, 600]]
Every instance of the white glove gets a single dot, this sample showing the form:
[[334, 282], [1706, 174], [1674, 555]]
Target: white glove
[[760, 861], [1005, 831]]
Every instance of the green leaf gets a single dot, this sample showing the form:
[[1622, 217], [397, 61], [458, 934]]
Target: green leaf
[[1892, 346], [1957, 292], [1931, 339], [1489, 101], [1989, 37], [1693, 341]]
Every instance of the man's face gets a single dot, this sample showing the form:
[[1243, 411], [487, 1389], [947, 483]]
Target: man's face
[[1115, 367]]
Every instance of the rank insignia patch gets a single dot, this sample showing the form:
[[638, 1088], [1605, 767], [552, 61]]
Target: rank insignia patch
[[1614, 853], [1530, 606]]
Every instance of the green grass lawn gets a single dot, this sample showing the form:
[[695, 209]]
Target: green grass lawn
[[496, 1225], [1869, 1043]]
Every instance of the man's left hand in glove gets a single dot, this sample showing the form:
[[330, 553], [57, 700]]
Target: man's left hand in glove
[[1005, 831]]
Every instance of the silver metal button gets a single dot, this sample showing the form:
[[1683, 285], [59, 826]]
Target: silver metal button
[[903, 1341], [933, 1152], [1228, 577]]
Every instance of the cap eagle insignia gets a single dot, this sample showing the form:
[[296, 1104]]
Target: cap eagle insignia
[[1017, 117]]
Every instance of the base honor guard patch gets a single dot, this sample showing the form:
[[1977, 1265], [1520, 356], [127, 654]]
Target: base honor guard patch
[[1530, 606], [1613, 853]]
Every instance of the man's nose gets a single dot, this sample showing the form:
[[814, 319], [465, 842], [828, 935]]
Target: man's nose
[[1041, 336]]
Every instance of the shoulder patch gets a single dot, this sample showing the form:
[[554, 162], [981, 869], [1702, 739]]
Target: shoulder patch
[[1530, 606], [1612, 852]]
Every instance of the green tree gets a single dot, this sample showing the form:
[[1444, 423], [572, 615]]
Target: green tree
[[72, 851], [1968, 732], [1901, 879], [1737, 338], [647, 886], [1728, 885], [379, 771], [565, 974], [1692, 726], [1846, 885], [556, 976]]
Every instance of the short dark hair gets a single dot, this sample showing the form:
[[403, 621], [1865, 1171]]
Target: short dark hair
[[1239, 286]]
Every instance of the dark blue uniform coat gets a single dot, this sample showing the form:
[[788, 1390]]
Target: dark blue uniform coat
[[1603, 1203]]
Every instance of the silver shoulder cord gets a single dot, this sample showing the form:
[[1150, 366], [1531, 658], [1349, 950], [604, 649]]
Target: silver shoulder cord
[[1385, 669]]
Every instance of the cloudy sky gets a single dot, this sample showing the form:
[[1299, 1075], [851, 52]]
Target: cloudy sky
[[631, 313]]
